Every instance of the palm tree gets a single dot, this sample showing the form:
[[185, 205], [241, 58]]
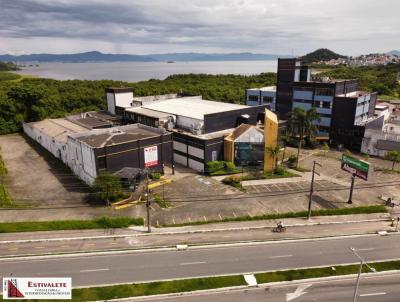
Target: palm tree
[[393, 156], [274, 152], [301, 124]]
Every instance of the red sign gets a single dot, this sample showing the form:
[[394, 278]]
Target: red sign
[[151, 156]]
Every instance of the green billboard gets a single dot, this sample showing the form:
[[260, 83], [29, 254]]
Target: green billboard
[[355, 166]]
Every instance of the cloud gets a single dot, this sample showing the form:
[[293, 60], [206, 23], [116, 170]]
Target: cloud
[[216, 25]]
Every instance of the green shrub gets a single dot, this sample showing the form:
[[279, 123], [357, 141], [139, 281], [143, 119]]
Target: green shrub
[[280, 170], [325, 147], [155, 176], [107, 188], [230, 166], [213, 166], [292, 160]]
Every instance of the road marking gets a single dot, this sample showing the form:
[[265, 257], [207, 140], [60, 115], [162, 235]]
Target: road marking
[[39, 247], [64, 246], [94, 270], [373, 294], [193, 263], [90, 244], [300, 290], [280, 256], [366, 249]]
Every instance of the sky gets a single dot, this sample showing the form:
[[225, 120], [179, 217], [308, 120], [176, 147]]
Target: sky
[[293, 27]]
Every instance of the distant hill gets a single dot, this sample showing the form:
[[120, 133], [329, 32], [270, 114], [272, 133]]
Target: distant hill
[[92, 56], [322, 54], [394, 53], [95, 56]]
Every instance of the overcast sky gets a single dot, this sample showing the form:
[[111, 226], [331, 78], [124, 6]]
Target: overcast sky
[[158, 26]]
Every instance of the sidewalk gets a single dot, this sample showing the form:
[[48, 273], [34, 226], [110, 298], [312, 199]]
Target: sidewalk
[[212, 227]]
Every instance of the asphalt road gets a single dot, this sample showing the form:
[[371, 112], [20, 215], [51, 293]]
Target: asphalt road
[[372, 289], [157, 240], [156, 265]]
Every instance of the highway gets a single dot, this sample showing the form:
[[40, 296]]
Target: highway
[[87, 270], [372, 289]]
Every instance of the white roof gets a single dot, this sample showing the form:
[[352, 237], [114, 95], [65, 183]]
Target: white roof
[[267, 88], [191, 107], [58, 129]]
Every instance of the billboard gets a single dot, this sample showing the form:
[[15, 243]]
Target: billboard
[[36, 288], [151, 156], [357, 167]]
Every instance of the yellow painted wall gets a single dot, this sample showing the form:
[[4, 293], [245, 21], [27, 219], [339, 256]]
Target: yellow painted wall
[[270, 138]]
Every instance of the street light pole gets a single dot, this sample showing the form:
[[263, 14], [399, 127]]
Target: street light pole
[[359, 273], [312, 188]]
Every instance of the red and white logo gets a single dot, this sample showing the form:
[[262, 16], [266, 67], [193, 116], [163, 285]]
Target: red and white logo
[[37, 288]]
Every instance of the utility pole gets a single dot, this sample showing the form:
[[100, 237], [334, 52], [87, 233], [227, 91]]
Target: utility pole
[[350, 201], [148, 202], [397, 225], [312, 188]]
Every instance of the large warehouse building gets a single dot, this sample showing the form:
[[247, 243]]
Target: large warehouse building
[[87, 152]]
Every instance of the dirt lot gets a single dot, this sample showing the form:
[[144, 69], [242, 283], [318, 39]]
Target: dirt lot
[[35, 177]]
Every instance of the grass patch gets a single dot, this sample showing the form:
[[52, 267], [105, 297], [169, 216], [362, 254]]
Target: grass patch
[[99, 223], [8, 76], [155, 288], [301, 169], [225, 172], [326, 212], [161, 202], [5, 197]]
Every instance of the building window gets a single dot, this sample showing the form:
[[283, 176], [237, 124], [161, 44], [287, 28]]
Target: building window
[[253, 98], [214, 156], [326, 105], [268, 99]]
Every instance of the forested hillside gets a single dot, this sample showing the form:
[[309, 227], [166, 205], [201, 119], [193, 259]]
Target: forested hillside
[[37, 99], [383, 79]]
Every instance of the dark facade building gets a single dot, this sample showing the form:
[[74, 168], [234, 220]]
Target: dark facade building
[[343, 109], [198, 126]]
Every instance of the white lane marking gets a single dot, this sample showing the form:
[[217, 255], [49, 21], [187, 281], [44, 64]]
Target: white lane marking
[[373, 294], [193, 263], [280, 256], [366, 249], [94, 270], [298, 292]]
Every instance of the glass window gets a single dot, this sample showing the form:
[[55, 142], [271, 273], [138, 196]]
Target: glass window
[[268, 99], [253, 98]]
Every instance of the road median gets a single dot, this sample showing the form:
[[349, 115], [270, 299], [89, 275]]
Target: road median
[[121, 291]]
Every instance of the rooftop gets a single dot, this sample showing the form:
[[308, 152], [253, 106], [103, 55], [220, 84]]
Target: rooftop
[[266, 88], [354, 94], [191, 107], [94, 119], [58, 129], [98, 138], [148, 112]]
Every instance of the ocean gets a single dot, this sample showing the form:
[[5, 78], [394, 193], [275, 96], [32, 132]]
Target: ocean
[[142, 71]]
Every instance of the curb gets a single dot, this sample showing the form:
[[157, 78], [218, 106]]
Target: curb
[[190, 232], [262, 285]]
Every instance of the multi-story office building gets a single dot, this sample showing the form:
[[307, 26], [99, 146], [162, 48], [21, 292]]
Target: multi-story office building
[[261, 96], [343, 109]]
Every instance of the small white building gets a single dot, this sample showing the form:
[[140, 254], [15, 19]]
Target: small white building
[[382, 135], [261, 96]]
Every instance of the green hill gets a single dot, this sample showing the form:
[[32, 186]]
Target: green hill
[[322, 54]]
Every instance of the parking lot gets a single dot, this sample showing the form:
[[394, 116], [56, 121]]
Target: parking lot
[[290, 186]]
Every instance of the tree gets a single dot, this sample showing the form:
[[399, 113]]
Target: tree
[[107, 187], [393, 156], [301, 124], [274, 152]]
